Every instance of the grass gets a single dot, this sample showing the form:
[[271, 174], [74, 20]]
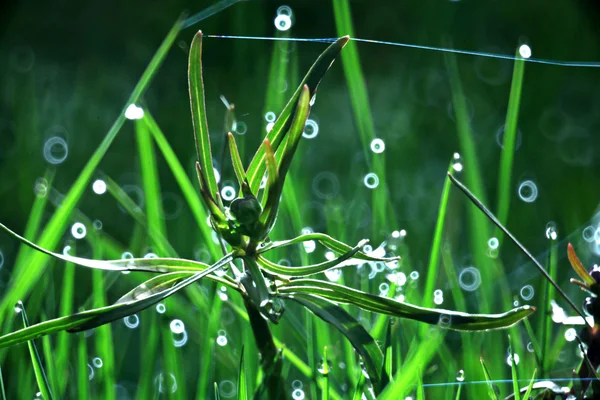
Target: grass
[[336, 342]]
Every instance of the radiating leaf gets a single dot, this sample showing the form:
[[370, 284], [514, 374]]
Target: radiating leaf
[[446, 319], [362, 341], [36, 360], [257, 166], [142, 297], [236, 160], [201, 135], [578, 266], [133, 264], [327, 241], [308, 269]]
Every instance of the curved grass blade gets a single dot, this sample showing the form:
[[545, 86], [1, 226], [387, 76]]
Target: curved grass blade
[[236, 160], [257, 166], [362, 341], [275, 188], [133, 264], [488, 379], [142, 297], [201, 134], [36, 360], [242, 389], [327, 241], [446, 319], [491, 216], [308, 269], [579, 267]]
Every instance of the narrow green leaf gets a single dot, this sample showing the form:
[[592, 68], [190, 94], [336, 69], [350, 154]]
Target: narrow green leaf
[[420, 388], [362, 341], [491, 216], [257, 166], [142, 297], [55, 228], [236, 160], [308, 269], [578, 266], [491, 387], [446, 319], [201, 135], [513, 370], [327, 241], [2, 391], [82, 368], [272, 173], [360, 384], [530, 386], [36, 360], [242, 390], [217, 394], [324, 370], [133, 264], [275, 188]]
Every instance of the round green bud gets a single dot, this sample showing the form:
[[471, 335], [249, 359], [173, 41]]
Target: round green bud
[[245, 210]]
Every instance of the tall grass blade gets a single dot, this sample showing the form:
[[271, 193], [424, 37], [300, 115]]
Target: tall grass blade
[[530, 386], [324, 370], [242, 390], [2, 391], [513, 370], [488, 379], [36, 360]]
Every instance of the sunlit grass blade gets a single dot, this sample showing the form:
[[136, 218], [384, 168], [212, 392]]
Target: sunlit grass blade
[[447, 319], [201, 134], [133, 264], [242, 389], [144, 296], [362, 341], [50, 364], [420, 388], [36, 360], [151, 185], [272, 173], [403, 382], [185, 184], [327, 241], [509, 141], [217, 394], [491, 216], [275, 188], [513, 370], [527, 394], [148, 356], [388, 353], [257, 166], [488, 379], [63, 345], [236, 160], [55, 228], [208, 342], [308, 269], [579, 267]]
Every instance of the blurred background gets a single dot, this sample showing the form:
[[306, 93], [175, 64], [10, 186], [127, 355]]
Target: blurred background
[[67, 69]]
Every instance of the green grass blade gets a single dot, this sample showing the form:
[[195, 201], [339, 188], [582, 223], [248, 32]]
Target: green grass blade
[[144, 296], [36, 360], [420, 388], [217, 394], [148, 356], [447, 319], [513, 371], [185, 184], [55, 228], [201, 134], [50, 364], [530, 386], [308, 269], [82, 369], [403, 382], [257, 166], [490, 385], [242, 389], [134, 264], [151, 185], [358, 390], [63, 341], [2, 391], [362, 341], [491, 216], [208, 343], [509, 141], [324, 370]]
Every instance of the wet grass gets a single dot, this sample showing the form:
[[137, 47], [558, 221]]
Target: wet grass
[[219, 357]]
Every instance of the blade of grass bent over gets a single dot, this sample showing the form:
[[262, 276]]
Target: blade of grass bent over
[[55, 228], [491, 216]]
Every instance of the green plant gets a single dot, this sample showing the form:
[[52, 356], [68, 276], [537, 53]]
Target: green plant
[[244, 228]]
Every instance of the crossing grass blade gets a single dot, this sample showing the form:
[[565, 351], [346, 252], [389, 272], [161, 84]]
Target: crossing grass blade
[[242, 390], [36, 360], [446, 319], [257, 166], [488, 379], [143, 296], [362, 341], [197, 103], [54, 229]]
